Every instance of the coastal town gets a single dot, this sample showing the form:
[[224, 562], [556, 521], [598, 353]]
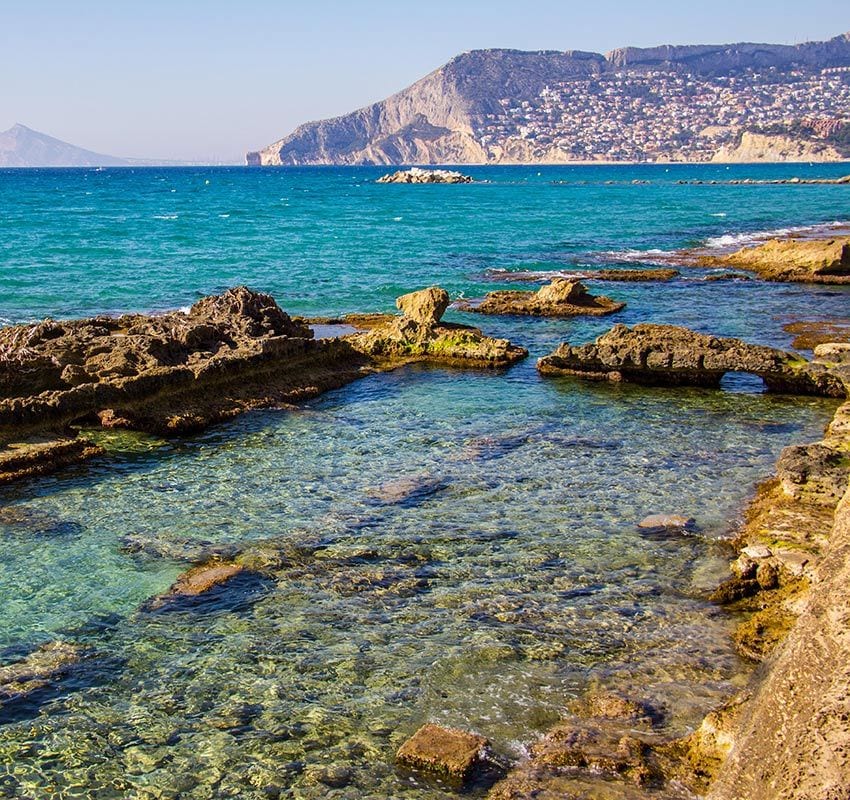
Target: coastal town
[[647, 115]]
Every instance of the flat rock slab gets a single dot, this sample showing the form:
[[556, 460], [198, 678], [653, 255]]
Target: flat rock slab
[[444, 751]]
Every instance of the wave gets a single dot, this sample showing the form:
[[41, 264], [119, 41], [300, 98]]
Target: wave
[[165, 216], [737, 240]]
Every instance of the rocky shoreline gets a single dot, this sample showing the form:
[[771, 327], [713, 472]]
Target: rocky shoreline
[[181, 372], [782, 737]]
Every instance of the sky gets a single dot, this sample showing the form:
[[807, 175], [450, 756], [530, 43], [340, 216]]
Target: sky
[[208, 81]]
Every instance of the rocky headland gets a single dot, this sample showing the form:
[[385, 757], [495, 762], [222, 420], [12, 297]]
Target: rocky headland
[[548, 107], [560, 298], [666, 355], [180, 372], [418, 175]]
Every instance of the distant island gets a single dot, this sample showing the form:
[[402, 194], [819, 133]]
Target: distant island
[[723, 103]]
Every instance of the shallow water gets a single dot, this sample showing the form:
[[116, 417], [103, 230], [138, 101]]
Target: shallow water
[[457, 546]]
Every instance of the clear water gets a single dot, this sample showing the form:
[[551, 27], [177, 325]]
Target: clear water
[[459, 546]]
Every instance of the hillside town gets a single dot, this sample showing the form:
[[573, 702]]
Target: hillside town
[[647, 115]]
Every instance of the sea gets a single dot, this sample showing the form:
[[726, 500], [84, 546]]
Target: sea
[[458, 546]]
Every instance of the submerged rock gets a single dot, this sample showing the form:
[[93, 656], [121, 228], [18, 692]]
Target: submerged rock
[[38, 670], [832, 334], [667, 522], [671, 356], [30, 459], [560, 298], [419, 175], [196, 582], [447, 752]]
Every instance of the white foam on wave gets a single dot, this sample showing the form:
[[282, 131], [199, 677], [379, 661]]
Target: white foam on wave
[[753, 237], [165, 216], [224, 216]]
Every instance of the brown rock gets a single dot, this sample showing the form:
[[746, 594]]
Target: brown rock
[[445, 751], [794, 260], [197, 581], [660, 522], [426, 306], [560, 298]]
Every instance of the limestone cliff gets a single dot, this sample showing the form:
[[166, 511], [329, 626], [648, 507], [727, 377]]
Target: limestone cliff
[[497, 106], [763, 147]]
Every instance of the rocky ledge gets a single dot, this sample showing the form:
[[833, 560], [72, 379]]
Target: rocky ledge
[[179, 372], [560, 298], [666, 355], [789, 260], [418, 175]]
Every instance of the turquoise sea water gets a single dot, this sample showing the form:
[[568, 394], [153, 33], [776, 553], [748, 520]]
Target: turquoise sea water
[[461, 546]]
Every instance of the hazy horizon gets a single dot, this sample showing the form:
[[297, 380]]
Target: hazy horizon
[[208, 82]]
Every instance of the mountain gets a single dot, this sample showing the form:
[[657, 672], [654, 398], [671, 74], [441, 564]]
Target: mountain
[[633, 104], [22, 147]]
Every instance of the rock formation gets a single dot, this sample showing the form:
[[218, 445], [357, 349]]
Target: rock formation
[[180, 372], [791, 260], [418, 175], [420, 335], [670, 356], [560, 298]]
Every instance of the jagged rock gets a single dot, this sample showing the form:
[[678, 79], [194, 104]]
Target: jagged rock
[[447, 752], [418, 175], [560, 298], [833, 352], [426, 306], [791, 260], [670, 356]]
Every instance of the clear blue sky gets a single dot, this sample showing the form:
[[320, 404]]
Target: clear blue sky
[[187, 79]]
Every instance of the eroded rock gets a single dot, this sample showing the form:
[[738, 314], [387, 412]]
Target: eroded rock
[[671, 356], [421, 337], [560, 298], [792, 260], [425, 306]]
